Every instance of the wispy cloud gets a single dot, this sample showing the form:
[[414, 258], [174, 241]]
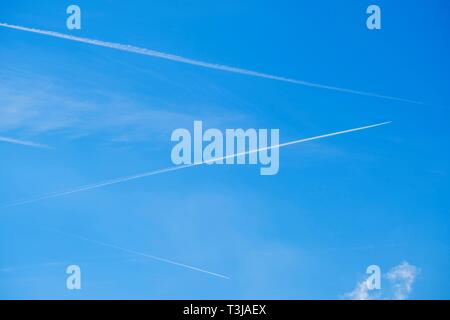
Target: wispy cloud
[[172, 57], [24, 143], [55, 108], [361, 292], [402, 278], [400, 284]]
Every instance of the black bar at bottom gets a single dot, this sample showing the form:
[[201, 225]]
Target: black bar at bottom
[[222, 309]]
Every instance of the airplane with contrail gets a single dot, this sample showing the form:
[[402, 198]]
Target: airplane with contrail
[[221, 67], [175, 168]]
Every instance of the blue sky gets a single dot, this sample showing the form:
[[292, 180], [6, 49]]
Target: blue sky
[[338, 205]]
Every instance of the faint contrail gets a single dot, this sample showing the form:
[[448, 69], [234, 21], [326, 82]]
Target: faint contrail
[[23, 143], [113, 246], [152, 173], [168, 56]]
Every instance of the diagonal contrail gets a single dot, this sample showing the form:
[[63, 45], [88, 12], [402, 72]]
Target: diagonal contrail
[[24, 143], [168, 56], [152, 173], [145, 255]]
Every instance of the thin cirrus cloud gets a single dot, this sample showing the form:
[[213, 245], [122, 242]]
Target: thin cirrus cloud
[[57, 109], [400, 284], [221, 67]]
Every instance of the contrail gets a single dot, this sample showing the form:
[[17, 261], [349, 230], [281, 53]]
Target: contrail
[[168, 56], [145, 255], [175, 168], [24, 143]]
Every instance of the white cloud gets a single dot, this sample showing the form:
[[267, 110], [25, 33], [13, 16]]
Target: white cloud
[[402, 278], [400, 284], [361, 292]]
